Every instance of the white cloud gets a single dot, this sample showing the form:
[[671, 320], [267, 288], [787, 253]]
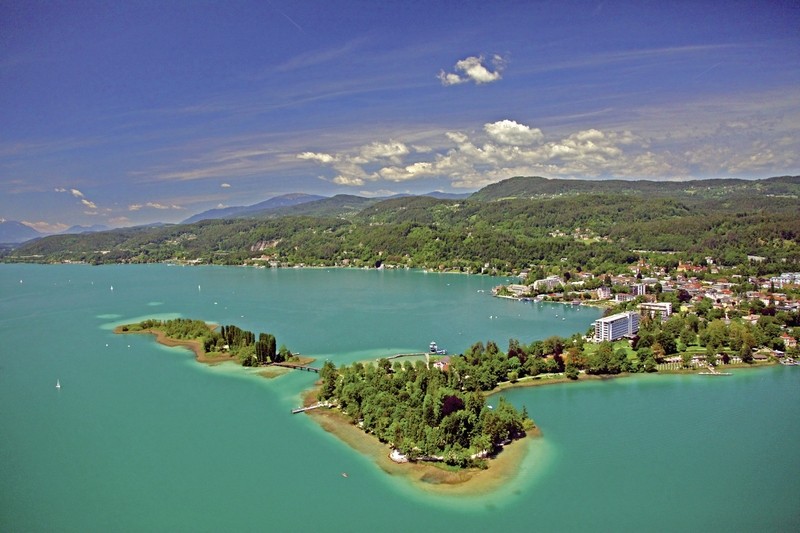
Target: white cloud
[[119, 221], [391, 150], [448, 78], [473, 69], [511, 132], [349, 181], [82, 197], [46, 227], [314, 156], [500, 150], [153, 205]]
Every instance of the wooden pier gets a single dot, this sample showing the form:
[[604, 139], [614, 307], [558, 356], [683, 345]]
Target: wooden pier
[[297, 367], [398, 355], [310, 407]]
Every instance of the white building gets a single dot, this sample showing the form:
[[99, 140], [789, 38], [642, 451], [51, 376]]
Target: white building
[[638, 289], [654, 309], [615, 327], [603, 293], [786, 279], [549, 283]]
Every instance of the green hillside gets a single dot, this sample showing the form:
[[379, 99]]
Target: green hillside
[[597, 229]]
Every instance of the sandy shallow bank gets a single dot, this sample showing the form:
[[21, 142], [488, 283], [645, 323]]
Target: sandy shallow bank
[[212, 359], [194, 345], [422, 475]]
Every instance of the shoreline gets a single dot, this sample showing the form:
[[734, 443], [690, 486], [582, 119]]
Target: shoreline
[[597, 304], [559, 379], [201, 356], [425, 476]]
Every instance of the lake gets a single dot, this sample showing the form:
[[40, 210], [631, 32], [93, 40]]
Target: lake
[[140, 437]]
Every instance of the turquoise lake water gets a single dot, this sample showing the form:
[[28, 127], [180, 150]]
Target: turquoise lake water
[[140, 437]]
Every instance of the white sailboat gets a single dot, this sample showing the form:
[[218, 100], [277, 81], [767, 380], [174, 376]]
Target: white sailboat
[[58, 384]]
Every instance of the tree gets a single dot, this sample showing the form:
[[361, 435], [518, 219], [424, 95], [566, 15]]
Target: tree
[[284, 354], [667, 342], [328, 375], [687, 336], [571, 371], [711, 355]]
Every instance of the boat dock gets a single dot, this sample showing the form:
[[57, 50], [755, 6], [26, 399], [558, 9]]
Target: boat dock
[[714, 372], [398, 355], [310, 407], [297, 367]]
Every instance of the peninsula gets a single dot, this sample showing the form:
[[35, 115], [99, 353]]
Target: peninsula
[[430, 420], [438, 425], [213, 346]]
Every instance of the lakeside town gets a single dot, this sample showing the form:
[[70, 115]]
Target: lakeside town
[[694, 316]]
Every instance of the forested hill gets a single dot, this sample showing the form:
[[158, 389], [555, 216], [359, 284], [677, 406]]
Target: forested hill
[[599, 230], [537, 187]]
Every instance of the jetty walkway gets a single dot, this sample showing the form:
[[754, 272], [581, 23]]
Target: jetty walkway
[[310, 407], [398, 355], [297, 367]]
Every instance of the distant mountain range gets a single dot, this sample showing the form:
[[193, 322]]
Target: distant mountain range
[[511, 224], [278, 205], [13, 232], [286, 200], [84, 229], [780, 191]]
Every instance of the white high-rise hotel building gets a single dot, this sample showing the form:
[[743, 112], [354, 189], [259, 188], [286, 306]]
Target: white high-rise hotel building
[[615, 327]]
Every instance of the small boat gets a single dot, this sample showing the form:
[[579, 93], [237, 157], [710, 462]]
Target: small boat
[[58, 384], [434, 349], [344, 474]]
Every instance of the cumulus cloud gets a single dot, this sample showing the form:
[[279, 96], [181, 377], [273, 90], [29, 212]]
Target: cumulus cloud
[[153, 205], [46, 227], [85, 202], [348, 180], [119, 221], [391, 150], [497, 151], [358, 166], [511, 132], [473, 69], [314, 156]]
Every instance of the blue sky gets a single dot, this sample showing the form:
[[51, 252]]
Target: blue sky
[[124, 113]]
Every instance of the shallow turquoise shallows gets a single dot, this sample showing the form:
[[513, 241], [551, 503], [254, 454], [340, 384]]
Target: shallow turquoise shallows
[[140, 437]]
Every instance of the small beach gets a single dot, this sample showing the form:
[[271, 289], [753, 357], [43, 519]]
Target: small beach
[[424, 476]]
